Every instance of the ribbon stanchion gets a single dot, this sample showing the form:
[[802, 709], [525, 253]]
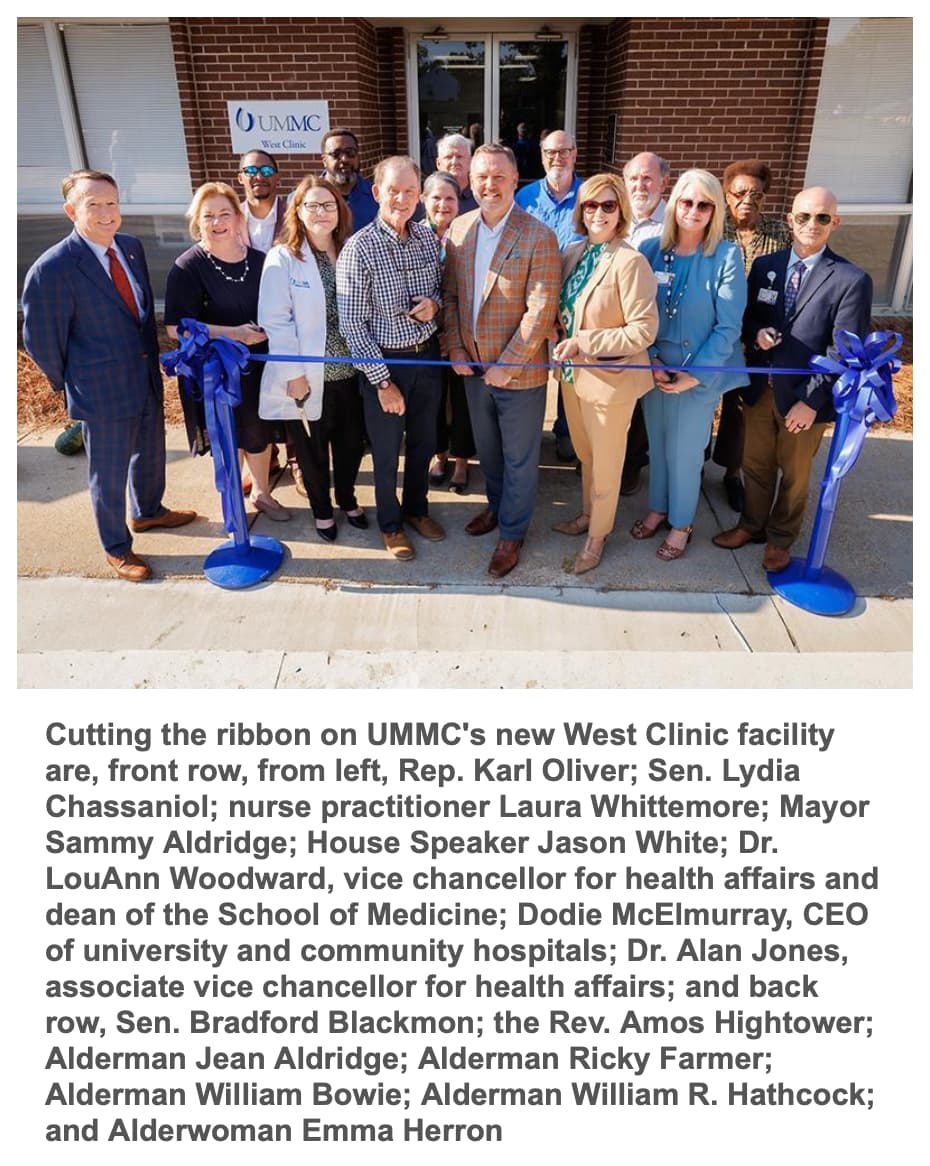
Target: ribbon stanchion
[[212, 369], [862, 395]]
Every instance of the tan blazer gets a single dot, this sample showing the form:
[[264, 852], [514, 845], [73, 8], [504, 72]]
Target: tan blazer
[[615, 316], [519, 300]]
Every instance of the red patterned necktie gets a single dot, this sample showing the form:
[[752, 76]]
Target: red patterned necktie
[[121, 282]]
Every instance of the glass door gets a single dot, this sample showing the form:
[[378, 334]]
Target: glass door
[[529, 97], [451, 95], [508, 88]]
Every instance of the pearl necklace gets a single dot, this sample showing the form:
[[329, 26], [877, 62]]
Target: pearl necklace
[[229, 278]]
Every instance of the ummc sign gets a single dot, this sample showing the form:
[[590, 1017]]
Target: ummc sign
[[282, 127]]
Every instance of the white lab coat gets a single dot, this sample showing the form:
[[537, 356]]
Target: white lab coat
[[292, 311]]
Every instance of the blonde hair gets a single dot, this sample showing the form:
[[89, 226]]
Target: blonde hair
[[711, 189], [201, 194], [593, 186]]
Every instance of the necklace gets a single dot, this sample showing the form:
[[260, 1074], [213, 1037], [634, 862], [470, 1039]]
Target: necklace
[[229, 278]]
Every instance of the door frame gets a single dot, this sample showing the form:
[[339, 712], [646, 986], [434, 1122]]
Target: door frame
[[492, 42]]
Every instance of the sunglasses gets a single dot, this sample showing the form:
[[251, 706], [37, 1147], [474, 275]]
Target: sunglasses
[[803, 217], [347, 152], [264, 171], [702, 207], [755, 196], [608, 206]]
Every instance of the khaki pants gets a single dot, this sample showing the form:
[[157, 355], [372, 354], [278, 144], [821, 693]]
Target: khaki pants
[[768, 448], [598, 434]]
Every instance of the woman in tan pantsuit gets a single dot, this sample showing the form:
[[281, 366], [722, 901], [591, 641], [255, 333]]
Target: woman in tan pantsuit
[[607, 310]]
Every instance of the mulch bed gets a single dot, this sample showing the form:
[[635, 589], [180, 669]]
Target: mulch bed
[[39, 407]]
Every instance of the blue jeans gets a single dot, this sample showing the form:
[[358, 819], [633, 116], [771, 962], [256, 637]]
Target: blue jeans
[[507, 424]]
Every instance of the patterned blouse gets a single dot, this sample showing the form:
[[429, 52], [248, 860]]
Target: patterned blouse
[[771, 235], [335, 342], [571, 289]]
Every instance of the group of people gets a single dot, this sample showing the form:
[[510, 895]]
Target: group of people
[[438, 316]]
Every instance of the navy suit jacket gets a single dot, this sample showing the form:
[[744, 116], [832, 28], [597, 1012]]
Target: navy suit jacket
[[835, 296], [84, 338]]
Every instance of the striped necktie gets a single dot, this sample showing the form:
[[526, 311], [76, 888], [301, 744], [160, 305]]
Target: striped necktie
[[121, 283]]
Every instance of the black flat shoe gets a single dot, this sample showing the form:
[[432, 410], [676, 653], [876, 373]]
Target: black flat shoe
[[328, 533], [359, 521], [736, 494]]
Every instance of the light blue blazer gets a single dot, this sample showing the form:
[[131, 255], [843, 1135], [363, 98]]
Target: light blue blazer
[[706, 328]]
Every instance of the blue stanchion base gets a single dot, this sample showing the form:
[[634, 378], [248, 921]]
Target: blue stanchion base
[[235, 567], [828, 594]]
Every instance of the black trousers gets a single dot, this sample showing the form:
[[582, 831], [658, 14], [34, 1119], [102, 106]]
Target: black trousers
[[339, 428], [453, 425], [637, 442], [728, 445], [421, 386]]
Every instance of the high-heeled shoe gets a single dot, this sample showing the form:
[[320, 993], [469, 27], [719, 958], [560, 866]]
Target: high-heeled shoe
[[460, 487], [577, 525], [328, 533], [357, 518], [587, 559], [669, 553], [639, 529]]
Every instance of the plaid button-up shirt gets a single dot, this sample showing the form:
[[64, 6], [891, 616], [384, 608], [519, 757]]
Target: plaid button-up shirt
[[377, 278]]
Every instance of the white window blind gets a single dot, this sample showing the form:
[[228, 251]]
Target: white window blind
[[862, 145], [128, 106], [42, 151]]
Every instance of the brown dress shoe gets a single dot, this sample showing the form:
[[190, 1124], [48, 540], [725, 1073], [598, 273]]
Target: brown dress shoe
[[775, 559], [130, 567], [169, 519], [732, 540], [483, 522], [425, 527], [505, 558], [399, 545]]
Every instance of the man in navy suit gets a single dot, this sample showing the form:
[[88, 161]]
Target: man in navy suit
[[798, 300], [89, 323]]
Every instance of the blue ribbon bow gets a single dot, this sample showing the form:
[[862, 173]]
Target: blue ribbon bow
[[862, 395], [211, 369]]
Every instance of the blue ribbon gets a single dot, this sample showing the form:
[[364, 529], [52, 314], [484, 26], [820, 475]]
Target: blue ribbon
[[862, 395], [212, 369]]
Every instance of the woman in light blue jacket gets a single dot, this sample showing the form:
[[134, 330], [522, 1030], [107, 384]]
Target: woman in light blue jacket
[[701, 298]]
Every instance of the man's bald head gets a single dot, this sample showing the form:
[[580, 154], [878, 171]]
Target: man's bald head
[[646, 178], [813, 219]]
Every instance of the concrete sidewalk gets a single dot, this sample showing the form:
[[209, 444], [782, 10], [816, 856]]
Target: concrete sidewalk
[[708, 620]]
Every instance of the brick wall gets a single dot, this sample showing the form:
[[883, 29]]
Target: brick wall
[[700, 92], [278, 59], [704, 92]]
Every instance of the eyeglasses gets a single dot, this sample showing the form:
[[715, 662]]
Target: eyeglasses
[[319, 208], [346, 152], [755, 196], [803, 217], [563, 153], [264, 171], [701, 207], [608, 206]]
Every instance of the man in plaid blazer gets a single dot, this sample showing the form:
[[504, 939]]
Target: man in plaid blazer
[[89, 324], [501, 292]]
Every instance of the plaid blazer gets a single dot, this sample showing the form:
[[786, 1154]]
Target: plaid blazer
[[519, 300]]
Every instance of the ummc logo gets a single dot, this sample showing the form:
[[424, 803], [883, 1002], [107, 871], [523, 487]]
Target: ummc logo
[[270, 122]]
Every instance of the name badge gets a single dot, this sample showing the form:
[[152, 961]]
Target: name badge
[[664, 278], [768, 295]]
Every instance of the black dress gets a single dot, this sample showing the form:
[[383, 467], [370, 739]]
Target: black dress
[[198, 288]]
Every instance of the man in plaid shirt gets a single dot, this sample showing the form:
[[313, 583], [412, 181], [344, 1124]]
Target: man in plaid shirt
[[388, 286]]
